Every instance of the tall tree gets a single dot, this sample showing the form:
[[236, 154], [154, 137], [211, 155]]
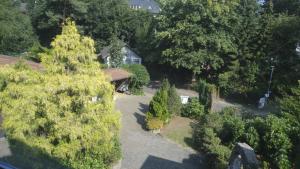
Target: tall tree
[[47, 16], [16, 33], [100, 19], [282, 47], [115, 52], [196, 34], [65, 111], [252, 34]]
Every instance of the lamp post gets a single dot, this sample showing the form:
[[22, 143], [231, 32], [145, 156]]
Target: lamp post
[[270, 81], [298, 49]]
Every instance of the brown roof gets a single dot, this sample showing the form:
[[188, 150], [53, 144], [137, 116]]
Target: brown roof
[[10, 60], [117, 74]]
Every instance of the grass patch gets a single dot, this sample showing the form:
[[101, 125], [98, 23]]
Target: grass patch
[[180, 131]]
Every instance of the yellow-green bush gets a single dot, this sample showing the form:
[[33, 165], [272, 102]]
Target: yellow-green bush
[[154, 124]]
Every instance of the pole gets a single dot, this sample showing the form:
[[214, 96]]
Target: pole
[[270, 81]]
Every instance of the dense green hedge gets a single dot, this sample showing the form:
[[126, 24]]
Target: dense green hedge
[[217, 133], [193, 109]]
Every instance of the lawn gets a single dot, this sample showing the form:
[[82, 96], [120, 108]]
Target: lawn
[[179, 130]]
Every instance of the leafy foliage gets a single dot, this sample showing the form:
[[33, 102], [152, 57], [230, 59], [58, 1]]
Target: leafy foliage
[[54, 111], [251, 137], [100, 19], [158, 107], [115, 52], [269, 137], [193, 109], [16, 32], [185, 38], [174, 101], [154, 124], [70, 52], [207, 92], [139, 79]]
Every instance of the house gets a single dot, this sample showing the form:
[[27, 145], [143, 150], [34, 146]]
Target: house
[[129, 56], [149, 5]]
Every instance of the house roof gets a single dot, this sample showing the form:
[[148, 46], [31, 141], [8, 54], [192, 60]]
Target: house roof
[[117, 74], [150, 5], [10, 60]]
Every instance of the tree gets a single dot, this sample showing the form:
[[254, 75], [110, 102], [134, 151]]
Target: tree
[[187, 40], [276, 143], [55, 111], [70, 52], [158, 107], [174, 102], [140, 77], [99, 19], [193, 109], [16, 33], [292, 7], [286, 34], [47, 16], [251, 33], [115, 52], [291, 111]]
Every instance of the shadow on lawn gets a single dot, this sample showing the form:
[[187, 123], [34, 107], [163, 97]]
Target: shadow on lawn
[[26, 157], [190, 140]]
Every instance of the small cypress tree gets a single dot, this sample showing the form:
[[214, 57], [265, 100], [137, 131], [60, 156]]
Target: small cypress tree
[[115, 52], [158, 106], [174, 102]]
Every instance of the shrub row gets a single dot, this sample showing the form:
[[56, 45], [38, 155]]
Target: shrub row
[[217, 133]]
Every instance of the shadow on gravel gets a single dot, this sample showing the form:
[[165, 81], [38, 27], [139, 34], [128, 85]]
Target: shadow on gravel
[[27, 157], [141, 120], [143, 108], [153, 162]]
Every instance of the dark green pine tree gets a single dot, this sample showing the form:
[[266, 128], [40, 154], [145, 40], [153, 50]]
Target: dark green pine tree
[[16, 33]]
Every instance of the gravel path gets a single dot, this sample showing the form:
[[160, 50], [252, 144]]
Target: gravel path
[[144, 150]]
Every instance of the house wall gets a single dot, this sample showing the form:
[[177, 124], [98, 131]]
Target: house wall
[[129, 57]]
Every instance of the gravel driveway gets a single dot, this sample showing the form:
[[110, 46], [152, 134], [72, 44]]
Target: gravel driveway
[[142, 149]]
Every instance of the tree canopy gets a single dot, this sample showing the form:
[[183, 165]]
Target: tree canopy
[[16, 32], [66, 111]]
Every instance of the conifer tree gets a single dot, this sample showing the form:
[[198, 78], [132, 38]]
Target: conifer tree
[[67, 110]]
